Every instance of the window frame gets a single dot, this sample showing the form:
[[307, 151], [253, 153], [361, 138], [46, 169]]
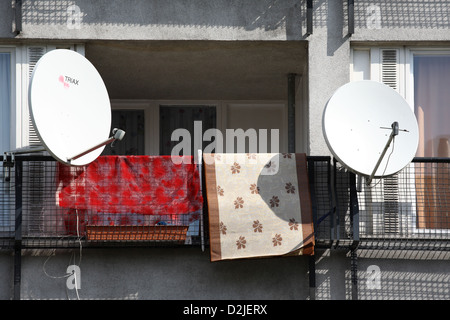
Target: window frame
[[7, 224], [19, 113], [410, 53], [151, 113]]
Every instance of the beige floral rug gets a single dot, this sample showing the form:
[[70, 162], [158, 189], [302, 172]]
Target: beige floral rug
[[259, 205]]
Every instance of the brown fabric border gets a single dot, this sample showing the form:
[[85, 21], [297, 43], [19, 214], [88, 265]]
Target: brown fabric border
[[213, 207], [305, 204]]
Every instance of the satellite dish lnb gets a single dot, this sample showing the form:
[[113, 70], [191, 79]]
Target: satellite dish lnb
[[70, 107], [370, 129]]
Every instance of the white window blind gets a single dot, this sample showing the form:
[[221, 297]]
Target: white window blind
[[33, 55]]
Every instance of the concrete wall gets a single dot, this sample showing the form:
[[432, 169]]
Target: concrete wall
[[380, 21], [413, 20], [156, 273], [403, 275], [159, 20], [328, 66]]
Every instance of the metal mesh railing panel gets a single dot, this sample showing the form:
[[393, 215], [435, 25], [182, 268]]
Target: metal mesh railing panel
[[409, 210]]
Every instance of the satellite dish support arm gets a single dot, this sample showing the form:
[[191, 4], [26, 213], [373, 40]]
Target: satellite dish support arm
[[395, 129], [118, 134]]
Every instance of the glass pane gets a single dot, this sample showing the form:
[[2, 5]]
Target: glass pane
[[177, 117], [132, 122], [432, 104]]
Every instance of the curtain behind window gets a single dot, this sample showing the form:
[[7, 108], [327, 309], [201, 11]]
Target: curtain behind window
[[432, 104], [432, 108], [5, 101]]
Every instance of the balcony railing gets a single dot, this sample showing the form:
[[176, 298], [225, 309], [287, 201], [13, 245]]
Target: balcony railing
[[409, 210]]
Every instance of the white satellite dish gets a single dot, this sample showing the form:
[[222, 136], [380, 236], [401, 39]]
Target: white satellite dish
[[70, 108], [370, 129]]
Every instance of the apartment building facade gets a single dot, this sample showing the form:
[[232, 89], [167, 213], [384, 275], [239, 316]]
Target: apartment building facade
[[245, 64]]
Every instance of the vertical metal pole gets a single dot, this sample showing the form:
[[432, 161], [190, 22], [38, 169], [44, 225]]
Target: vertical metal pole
[[309, 17], [291, 112], [354, 272], [351, 17], [354, 222], [18, 230]]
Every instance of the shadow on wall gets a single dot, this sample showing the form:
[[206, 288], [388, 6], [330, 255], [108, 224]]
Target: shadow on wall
[[387, 14], [248, 15], [430, 14]]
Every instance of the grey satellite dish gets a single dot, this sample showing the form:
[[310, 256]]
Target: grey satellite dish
[[70, 108], [370, 129]]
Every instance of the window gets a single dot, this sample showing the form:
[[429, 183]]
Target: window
[[183, 117], [256, 116], [416, 200], [157, 120], [149, 126], [431, 72]]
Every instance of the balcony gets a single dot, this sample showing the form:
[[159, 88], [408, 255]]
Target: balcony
[[409, 210]]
